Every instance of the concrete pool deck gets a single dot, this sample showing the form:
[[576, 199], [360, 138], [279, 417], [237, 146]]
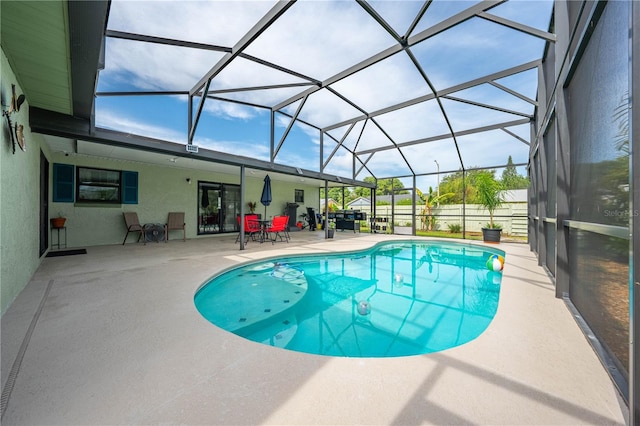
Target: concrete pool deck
[[119, 341]]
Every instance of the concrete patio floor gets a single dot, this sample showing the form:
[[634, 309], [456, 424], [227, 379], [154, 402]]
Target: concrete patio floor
[[113, 337]]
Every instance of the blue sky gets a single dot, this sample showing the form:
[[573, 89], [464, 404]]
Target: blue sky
[[319, 39]]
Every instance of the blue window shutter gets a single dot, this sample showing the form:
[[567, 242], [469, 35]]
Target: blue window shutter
[[63, 178], [129, 187]]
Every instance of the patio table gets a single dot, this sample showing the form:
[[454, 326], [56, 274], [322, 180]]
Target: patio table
[[264, 224]]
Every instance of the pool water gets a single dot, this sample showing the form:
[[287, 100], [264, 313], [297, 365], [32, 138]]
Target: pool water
[[396, 299]]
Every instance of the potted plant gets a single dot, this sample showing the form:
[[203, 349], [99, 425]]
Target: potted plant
[[252, 206], [490, 196], [331, 229], [58, 222]]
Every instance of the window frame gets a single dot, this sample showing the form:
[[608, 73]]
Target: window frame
[[80, 184]]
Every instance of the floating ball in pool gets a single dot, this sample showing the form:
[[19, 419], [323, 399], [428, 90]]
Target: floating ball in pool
[[364, 307], [495, 263]]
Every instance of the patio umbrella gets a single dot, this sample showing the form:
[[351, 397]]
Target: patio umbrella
[[205, 198], [266, 194]]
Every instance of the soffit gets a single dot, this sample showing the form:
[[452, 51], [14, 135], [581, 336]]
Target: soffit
[[35, 39], [79, 148]]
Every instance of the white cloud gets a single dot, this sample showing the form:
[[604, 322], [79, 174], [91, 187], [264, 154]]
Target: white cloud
[[321, 38], [213, 22], [148, 66], [323, 108], [341, 164], [109, 119], [386, 83], [229, 110], [249, 150]]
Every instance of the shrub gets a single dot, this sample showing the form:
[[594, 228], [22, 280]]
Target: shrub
[[455, 228]]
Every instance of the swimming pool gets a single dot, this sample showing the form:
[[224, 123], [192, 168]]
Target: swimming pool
[[395, 299]]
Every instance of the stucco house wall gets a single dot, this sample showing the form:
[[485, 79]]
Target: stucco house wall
[[161, 189], [19, 197]]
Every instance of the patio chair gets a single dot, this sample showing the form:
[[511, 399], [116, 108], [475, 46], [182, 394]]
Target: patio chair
[[286, 228], [175, 222], [311, 218], [133, 225], [278, 228], [251, 227]]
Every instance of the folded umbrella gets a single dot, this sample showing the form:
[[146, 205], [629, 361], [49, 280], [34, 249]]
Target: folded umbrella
[[265, 199]]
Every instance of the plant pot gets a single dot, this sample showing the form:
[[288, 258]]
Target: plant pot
[[58, 222], [330, 232], [491, 235]]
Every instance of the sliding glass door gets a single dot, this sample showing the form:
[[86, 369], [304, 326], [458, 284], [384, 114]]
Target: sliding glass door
[[231, 205], [218, 207]]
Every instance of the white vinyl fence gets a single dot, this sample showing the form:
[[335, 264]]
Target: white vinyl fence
[[511, 216]]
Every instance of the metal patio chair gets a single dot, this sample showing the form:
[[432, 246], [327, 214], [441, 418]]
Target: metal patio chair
[[133, 225], [175, 222]]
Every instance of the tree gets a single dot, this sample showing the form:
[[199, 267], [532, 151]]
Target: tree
[[362, 191], [430, 200], [490, 192], [385, 186], [511, 179], [335, 194], [453, 183], [621, 116]]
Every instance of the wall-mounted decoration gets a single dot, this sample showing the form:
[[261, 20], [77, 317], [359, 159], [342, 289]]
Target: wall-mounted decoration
[[299, 196], [20, 137], [16, 132], [16, 101], [12, 137]]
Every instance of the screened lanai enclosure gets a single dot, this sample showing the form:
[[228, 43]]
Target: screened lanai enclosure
[[342, 91], [349, 89], [350, 93]]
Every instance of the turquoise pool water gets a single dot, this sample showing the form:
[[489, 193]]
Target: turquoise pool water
[[396, 299]]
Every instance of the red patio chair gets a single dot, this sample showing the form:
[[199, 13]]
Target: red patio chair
[[278, 228], [286, 228], [251, 227]]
